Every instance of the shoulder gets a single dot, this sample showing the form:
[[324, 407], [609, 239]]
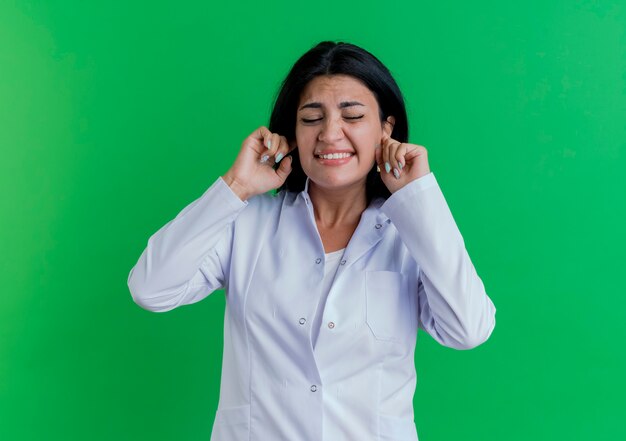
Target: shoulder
[[267, 205], [261, 219]]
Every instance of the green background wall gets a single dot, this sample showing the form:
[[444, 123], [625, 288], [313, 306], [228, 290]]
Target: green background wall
[[116, 115]]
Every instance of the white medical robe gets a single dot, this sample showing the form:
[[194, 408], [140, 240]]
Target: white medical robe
[[405, 267]]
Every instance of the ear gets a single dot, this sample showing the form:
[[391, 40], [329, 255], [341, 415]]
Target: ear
[[388, 127]]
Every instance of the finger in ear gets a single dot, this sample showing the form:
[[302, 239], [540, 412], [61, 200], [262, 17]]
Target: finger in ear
[[378, 157]]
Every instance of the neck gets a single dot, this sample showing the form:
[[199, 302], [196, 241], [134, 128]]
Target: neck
[[338, 206]]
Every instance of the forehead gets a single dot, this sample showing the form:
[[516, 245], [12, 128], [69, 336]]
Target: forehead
[[331, 89]]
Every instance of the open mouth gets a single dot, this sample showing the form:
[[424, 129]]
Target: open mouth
[[331, 156]]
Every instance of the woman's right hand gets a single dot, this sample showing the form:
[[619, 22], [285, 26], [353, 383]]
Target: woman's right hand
[[253, 171]]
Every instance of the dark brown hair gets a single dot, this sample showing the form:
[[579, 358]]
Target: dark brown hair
[[331, 58]]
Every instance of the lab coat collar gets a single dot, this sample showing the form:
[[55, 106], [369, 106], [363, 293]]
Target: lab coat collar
[[372, 226], [369, 232], [305, 192]]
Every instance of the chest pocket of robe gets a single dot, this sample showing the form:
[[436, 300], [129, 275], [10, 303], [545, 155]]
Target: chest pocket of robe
[[388, 306]]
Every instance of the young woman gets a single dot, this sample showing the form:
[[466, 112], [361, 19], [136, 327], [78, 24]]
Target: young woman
[[328, 281]]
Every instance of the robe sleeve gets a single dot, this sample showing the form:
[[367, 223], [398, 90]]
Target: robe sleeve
[[453, 305], [188, 258]]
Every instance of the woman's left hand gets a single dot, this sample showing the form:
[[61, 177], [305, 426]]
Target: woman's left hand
[[401, 163]]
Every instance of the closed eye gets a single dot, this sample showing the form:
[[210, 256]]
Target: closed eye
[[304, 120]]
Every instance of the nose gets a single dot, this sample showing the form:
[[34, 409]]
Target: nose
[[332, 131]]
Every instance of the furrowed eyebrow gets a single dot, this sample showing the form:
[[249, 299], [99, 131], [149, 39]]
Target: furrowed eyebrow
[[342, 105]]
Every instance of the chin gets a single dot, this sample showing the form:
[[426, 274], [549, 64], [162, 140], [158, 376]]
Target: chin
[[338, 182]]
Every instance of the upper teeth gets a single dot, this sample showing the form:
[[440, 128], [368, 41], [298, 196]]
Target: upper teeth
[[336, 155]]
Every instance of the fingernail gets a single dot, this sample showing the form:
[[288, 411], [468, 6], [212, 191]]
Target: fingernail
[[396, 173], [387, 167], [264, 158], [400, 166], [377, 168], [279, 157], [269, 143]]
